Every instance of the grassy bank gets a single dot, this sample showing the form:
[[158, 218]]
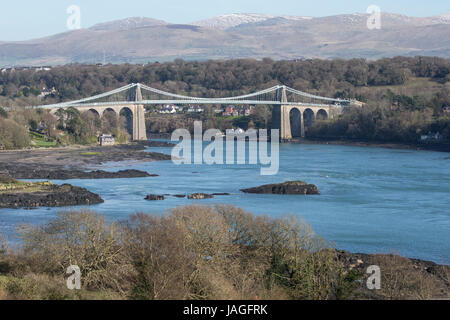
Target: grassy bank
[[23, 187], [11, 185], [198, 252]]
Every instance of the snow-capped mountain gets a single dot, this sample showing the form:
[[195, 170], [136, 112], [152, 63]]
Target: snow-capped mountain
[[227, 21], [443, 18], [238, 35], [128, 24]]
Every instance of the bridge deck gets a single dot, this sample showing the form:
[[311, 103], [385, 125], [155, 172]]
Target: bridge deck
[[256, 98], [186, 102]]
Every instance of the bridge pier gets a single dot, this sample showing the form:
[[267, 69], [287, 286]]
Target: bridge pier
[[281, 118], [139, 129]]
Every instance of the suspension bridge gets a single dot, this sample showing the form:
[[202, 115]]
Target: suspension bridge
[[293, 110]]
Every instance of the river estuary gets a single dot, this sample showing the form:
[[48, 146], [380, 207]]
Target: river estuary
[[373, 200]]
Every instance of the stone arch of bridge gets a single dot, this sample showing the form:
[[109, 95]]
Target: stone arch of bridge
[[308, 117], [296, 122], [128, 114], [322, 114], [94, 112]]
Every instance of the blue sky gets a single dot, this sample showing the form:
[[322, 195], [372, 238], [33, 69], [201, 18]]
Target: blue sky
[[22, 20]]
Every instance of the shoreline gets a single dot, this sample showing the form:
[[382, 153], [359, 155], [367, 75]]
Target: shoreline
[[65, 163], [76, 162], [73, 147], [439, 147], [373, 144]]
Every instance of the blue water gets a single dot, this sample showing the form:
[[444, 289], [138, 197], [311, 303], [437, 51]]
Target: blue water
[[373, 200]]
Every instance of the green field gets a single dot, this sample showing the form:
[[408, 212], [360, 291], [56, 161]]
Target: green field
[[90, 153], [40, 141]]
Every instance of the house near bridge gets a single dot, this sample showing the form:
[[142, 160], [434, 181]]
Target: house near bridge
[[106, 140], [431, 137]]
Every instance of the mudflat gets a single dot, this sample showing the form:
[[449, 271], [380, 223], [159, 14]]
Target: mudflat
[[75, 162]]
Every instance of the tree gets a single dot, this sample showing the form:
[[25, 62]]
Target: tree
[[3, 113], [12, 135], [10, 90], [33, 124]]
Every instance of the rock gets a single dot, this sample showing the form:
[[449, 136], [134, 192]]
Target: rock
[[289, 187], [156, 144], [30, 171], [48, 195], [97, 174], [198, 196], [6, 178], [154, 197], [221, 194], [130, 173]]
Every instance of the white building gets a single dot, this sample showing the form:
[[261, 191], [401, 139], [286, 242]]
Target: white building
[[431, 137], [168, 109], [46, 92], [196, 109], [106, 140]]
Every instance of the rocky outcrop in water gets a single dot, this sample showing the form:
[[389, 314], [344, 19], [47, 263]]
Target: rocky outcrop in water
[[154, 197], [47, 195], [289, 187], [194, 196], [156, 144], [199, 196], [50, 173]]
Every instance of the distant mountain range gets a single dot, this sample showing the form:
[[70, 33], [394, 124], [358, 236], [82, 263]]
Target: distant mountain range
[[141, 40]]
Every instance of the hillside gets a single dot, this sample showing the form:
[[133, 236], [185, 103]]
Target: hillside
[[140, 40], [405, 97]]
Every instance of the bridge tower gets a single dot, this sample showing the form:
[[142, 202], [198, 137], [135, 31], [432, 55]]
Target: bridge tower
[[281, 116], [138, 110]]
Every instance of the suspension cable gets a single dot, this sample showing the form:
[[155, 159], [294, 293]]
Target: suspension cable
[[165, 93], [109, 93], [304, 94], [259, 95]]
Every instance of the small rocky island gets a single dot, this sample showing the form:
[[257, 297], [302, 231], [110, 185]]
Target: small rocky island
[[154, 197], [17, 194], [289, 187], [49, 173], [198, 196], [193, 196]]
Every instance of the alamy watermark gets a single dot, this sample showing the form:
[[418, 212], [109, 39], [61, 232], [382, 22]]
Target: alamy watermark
[[374, 280], [191, 150], [374, 20], [74, 280], [74, 20]]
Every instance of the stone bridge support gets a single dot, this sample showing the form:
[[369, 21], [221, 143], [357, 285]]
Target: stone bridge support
[[285, 116], [137, 111], [138, 116]]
